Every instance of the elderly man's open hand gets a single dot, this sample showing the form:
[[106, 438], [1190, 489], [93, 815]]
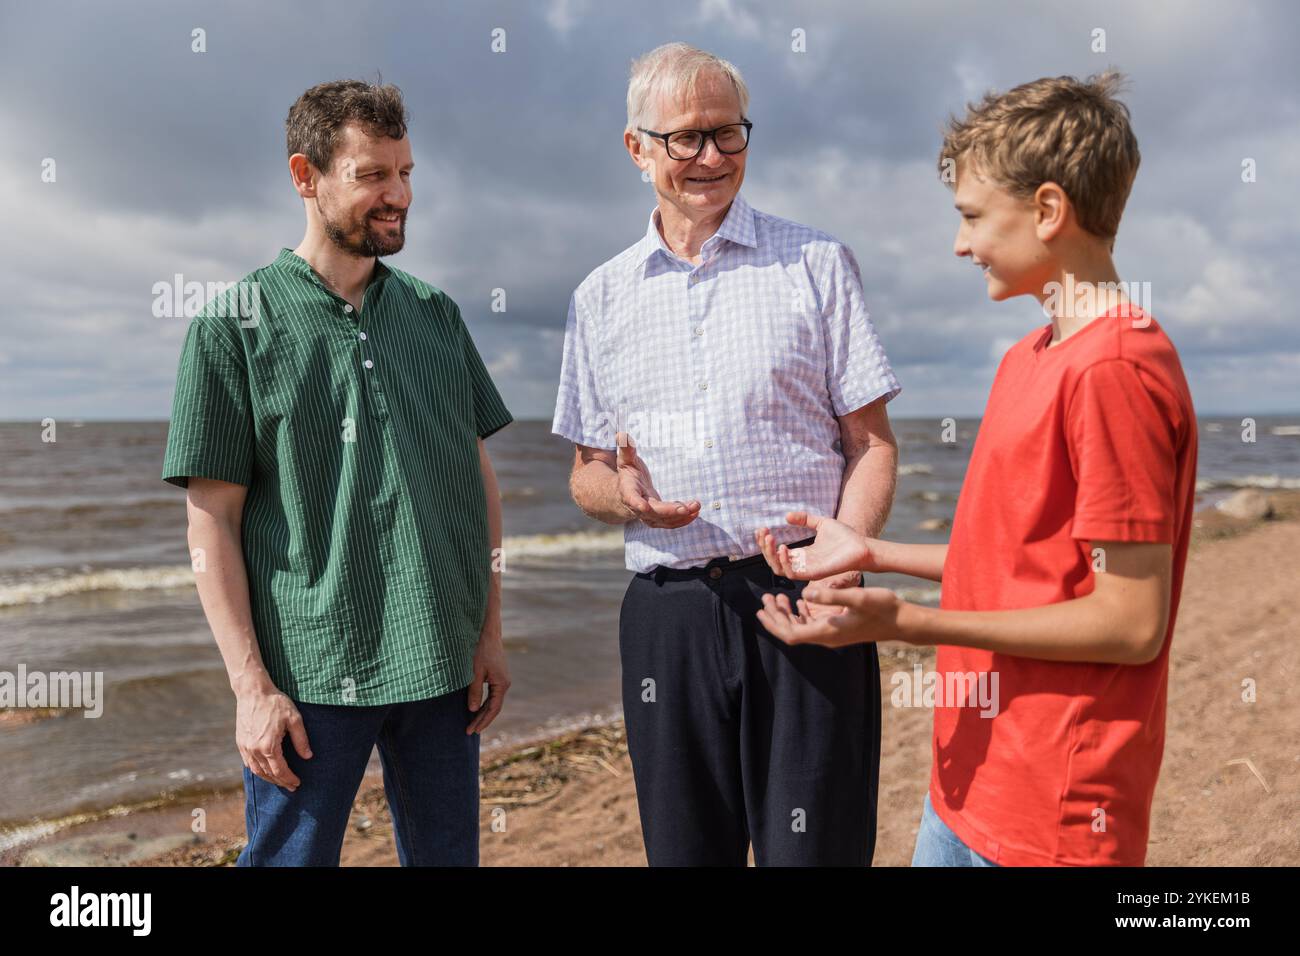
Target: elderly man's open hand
[[637, 491]]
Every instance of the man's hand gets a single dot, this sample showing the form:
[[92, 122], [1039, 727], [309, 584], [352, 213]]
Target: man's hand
[[490, 667], [853, 616], [637, 492], [849, 579], [836, 550], [262, 717]]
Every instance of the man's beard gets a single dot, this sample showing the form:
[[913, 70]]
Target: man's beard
[[360, 237]]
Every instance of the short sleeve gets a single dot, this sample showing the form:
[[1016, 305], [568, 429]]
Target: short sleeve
[[857, 369], [1122, 442], [211, 429], [578, 407], [490, 412]]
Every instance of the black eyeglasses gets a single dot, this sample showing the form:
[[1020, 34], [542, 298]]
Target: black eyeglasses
[[688, 143]]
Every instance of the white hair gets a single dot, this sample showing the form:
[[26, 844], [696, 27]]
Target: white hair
[[673, 70]]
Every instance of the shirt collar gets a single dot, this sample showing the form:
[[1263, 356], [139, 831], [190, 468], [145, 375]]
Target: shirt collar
[[737, 226], [296, 264]]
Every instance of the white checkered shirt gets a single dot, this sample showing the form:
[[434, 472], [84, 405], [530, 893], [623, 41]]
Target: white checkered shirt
[[729, 376]]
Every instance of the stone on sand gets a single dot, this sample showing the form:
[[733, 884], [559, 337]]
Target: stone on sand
[[1248, 504]]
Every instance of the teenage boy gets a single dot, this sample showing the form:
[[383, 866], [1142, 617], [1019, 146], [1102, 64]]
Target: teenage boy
[[1062, 575]]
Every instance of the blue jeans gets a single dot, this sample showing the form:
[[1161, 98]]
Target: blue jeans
[[430, 777], [937, 845]]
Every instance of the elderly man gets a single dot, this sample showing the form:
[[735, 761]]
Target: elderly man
[[718, 374], [341, 493]]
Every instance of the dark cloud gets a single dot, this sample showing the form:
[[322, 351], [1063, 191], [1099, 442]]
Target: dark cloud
[[171, 161]]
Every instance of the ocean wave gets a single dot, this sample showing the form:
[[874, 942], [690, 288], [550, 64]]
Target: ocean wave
[[42, 589], [915, 470], [87, 507], [527, 493], [17, 833], [1268, 482], [551, 545]]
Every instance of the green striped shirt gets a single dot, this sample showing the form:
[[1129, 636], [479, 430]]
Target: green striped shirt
[[365, 532]]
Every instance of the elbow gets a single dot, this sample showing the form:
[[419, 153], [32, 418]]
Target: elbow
[[196, 522], [202, 526], [881, 452], [1127, 628], [1149, 643], [575, 494], [1148, 652]]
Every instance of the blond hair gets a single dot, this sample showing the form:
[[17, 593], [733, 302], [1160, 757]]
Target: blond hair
[[673, 69], [1056, 129]]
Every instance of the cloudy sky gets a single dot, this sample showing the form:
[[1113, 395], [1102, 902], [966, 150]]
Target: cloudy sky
[[170, 161]]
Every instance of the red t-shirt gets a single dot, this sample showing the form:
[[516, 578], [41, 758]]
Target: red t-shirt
[[1092, 439]]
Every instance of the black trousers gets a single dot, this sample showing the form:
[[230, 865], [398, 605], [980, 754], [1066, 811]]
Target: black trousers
[[736, 736]]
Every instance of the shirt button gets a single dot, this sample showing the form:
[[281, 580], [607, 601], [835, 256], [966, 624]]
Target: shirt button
[[368, 364], [715, 573], [699, 330], [704, 385], [708, 443], [347, 308], [363, 336], [717, 505]]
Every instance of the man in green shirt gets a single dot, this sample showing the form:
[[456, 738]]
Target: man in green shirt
[[344, 518]]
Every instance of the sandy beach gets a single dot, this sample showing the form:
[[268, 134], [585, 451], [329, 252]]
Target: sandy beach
[[1229, 790]]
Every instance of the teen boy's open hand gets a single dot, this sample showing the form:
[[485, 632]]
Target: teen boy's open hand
[[835, 613], [843, 616], [836, 550]]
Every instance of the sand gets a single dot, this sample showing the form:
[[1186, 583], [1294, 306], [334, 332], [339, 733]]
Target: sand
[[1229, 789]]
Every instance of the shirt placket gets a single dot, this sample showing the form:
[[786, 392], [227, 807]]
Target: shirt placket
[[365, 354], [707, 444]]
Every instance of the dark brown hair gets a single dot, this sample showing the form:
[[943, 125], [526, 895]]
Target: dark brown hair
[[1074, 133], [316, 121]]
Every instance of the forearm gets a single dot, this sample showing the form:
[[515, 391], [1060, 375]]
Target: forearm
[[223, 591], [1083, 629], [866, 498], [917, 560], [867, 489], [492, 493], [594, 487]]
